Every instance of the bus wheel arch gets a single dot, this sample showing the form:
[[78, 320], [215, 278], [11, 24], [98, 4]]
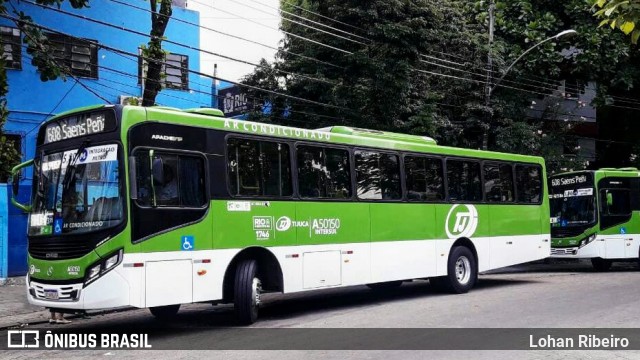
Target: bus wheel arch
[[462, 268], [269, 271]]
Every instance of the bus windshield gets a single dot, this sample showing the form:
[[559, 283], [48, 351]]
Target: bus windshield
[[572, 200], [76, 191], [573, 211]]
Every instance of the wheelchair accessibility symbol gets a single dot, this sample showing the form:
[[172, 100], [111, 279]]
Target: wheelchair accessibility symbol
[[187, 242]]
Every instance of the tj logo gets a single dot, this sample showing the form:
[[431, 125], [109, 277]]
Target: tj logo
[[466, 221]]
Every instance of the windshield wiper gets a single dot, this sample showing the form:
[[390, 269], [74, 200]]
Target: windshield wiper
[[71, 168]]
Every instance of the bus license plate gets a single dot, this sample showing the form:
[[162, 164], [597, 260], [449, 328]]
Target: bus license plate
[[51, 294]]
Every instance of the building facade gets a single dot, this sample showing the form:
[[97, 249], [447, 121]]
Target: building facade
[[97, 75]]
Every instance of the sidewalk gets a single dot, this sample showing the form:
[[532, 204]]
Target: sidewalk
[[14, 308]]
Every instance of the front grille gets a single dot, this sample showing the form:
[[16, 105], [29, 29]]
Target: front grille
[[65, 292], [59, 249], [564, 251]]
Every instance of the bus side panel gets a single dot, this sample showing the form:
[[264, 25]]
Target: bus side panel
[[333, 226], [403, 242], [515, 238]]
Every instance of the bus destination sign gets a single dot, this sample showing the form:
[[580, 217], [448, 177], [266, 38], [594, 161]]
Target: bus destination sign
[[77, 126]]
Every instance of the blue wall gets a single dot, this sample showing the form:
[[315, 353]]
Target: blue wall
[[31, 101]]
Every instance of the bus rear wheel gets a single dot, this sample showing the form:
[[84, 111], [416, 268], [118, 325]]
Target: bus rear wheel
[[247, 289], [462, 272], [165, 312], [601, 264]]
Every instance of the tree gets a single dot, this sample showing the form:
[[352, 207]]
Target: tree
[[621, 14], [399, 77], [48, 68], [154, 55]]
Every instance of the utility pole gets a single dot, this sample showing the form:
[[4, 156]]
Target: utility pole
[[487, 89]]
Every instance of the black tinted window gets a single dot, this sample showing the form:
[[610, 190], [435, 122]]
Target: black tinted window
[[424, 178], [529, 183], [464, 180], [377, 175], [498, 182], [323, 172], [258, 168], [615, 202], [175, 180]]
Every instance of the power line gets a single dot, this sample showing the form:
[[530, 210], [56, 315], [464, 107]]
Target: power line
[[229, 35], [276, 29], [139, 33], [325, 17], [275, 93], [307, 19], [297, 22]]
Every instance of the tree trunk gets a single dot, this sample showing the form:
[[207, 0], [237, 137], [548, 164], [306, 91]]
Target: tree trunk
[[154, 56]]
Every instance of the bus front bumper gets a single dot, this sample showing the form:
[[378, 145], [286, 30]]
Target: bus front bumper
[[107, 292], [588, 251]]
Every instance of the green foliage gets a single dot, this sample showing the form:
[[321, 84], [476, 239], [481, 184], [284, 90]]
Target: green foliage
[[621, 14]]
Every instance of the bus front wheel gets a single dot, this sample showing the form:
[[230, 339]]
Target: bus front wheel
[[165, 312], [462, 272], [601, 264], [247, 288]]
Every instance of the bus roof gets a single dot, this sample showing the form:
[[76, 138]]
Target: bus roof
[[624, 172], [211, 118]]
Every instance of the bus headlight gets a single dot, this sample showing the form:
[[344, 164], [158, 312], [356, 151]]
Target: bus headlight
[[103, 266], [587, 240], [93, 272], [111, 262]]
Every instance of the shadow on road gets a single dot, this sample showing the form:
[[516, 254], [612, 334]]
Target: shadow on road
[[281, 307]]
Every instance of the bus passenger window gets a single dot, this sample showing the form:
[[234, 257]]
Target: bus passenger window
[[258, 168], [464, 180], [424, 178], [377, 176], [498, 182], [324, 172], [615, 202], [529, 183], [182, 182]]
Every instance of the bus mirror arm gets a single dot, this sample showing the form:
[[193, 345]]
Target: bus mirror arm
[[133, 181], [609, 199], [15, 185]]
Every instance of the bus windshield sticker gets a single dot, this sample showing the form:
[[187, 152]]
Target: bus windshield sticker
[[238, 206]]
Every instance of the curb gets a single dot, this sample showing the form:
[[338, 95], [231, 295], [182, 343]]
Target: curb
[[13, 281]]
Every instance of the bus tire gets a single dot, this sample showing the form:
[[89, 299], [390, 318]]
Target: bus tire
[[246, 295], [462, 272], [166, 312], [600, 264], [385, 285]]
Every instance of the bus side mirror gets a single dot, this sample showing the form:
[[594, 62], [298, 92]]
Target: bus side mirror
[[15, 185], [609, 199]]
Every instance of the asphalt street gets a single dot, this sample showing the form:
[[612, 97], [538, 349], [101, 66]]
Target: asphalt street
[[560, 295]]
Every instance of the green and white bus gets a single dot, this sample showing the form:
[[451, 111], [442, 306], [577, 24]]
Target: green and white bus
[[156, 207], [596, 215]]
